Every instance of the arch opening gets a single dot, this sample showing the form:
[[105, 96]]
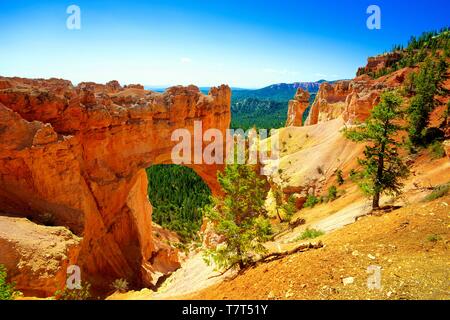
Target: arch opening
[[178, 195]]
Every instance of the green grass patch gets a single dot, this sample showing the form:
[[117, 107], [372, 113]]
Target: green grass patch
[[438, 192], [309, 234], [437, 150], [434, 238], [7, 291], [311, 201]]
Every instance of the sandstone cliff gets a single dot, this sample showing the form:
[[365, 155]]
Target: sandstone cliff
[[353, 99], [336, 106], [377, 63], [36, 256], [297, 107], [78, 154]]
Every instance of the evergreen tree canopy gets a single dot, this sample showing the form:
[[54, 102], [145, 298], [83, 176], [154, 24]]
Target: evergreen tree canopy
[[383, 167], [239, 217], [426, 85], [177, 195]]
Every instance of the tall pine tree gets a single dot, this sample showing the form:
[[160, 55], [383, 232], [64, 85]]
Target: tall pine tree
[[239, 217], [383, 167], [427, 84]]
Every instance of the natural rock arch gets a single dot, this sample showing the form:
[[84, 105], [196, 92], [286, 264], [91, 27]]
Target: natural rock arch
[[79, 153]]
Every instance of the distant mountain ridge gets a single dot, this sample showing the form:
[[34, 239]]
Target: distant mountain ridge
[[278, 91], [284, 90], [309, 86], [267, 107]]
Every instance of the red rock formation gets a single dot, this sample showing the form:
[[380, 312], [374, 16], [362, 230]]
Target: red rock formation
[[353, 99], [36, 256], [134, 86], [377, 63], [79, 153], [329, 102], [297, 107]]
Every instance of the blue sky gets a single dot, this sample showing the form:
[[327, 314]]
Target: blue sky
[[205, 42]]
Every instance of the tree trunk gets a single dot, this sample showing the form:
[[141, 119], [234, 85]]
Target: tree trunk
[[376, 201], [240, 263], [377, 186], [278, 214]]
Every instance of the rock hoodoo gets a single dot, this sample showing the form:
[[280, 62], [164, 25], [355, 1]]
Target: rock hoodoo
[[353, 99], [336, 105], [78, 154], [377, 63], [297, 107]]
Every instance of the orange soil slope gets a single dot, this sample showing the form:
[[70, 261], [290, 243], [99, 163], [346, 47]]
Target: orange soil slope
[[401, 243]]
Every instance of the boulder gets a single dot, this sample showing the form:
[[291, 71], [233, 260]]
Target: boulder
[[36, 257]]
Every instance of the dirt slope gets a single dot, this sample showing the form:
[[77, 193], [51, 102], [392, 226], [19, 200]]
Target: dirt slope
[[193, 276], [36, 256], [413, 265], [336, 219]]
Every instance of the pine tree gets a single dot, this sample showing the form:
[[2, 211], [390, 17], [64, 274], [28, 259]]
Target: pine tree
[[383, 167], [177, 193], [427, 84], [278, 197], [289, 208], [339, 178], [239, 217]]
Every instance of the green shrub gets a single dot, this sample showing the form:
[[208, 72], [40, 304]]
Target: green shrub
[[310, 234], [7, 291], [339, 177], [120, 285], [84, 293], [437, 150], [289, 208], [434, 238], [311, 201], [354, 175], [438, 192], [332, 193]]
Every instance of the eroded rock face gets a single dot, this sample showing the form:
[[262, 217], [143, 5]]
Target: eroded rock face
[[353, 99], [134, 86], [165, 258], [336, 105], [329, 102], [79, 153], [380, 62], [297, 107], [36, 256]]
